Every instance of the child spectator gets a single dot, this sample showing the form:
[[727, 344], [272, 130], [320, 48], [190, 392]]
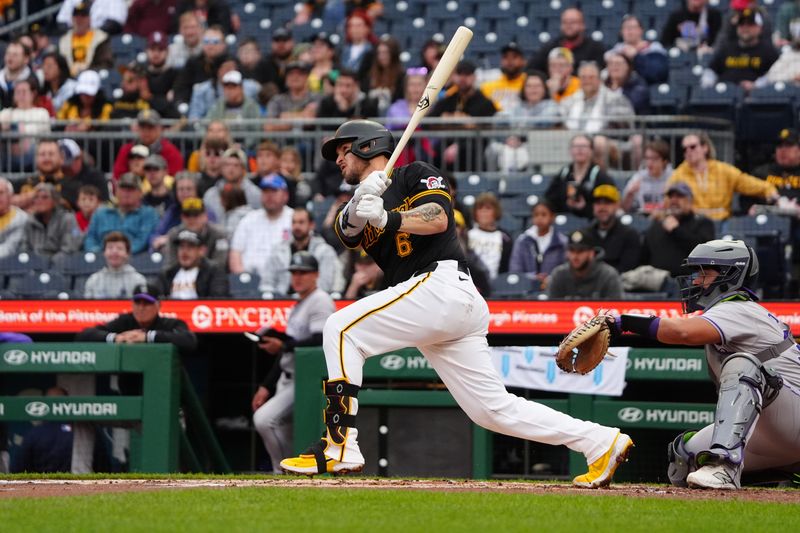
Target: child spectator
[[117, 279], [645, 190], [88, 202], [540, 248], [491, 244]]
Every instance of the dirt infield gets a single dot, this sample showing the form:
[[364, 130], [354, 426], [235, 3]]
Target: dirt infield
[[50, 488]]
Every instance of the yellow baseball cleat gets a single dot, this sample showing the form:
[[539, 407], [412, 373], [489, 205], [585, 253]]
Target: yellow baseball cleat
[[601, 471], [313, 461]]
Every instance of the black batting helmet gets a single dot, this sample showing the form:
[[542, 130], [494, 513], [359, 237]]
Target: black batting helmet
[[369, 139]]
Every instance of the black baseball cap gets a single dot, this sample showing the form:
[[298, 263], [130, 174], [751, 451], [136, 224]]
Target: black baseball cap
[[305, 68], [146, 293], [281, 34], [189, 236], [512, 47], [788, 136], [680, 187], [303, 261], [81, 8], [581, 239], [465, 67]]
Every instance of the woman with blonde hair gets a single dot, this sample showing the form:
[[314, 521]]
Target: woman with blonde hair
[[216, 129]]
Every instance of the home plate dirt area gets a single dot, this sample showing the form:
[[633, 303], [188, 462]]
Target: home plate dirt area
[[50, 488]]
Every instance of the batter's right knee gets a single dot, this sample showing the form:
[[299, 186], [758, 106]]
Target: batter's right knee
[[681, 461]]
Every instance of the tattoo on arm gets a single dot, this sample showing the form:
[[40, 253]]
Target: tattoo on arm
[[426, 212]]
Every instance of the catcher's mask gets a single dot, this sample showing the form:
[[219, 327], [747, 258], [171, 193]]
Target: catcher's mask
[[369, 139], [737, 266]]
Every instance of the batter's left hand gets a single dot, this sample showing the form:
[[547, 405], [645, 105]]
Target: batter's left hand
[[371, 209]]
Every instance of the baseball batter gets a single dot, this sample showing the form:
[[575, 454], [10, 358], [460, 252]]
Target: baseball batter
[[754, 361], [407, 226]]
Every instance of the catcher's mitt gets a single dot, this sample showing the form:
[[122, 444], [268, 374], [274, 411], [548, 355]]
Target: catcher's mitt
[[591, 340]]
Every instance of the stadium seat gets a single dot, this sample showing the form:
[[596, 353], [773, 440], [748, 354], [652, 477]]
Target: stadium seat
[[524, 184], [567, 223], [719, 101], [50, 285], [244, 285], [22, 263], [520, 206], [765, 112], [666, 99], [638, 222], [514, 286], [79, 263], [474, 184], [760, 225], [148, 264]]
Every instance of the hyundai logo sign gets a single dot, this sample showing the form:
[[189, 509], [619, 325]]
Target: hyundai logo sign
[[630, 414], [15, 357], [393, 362], [37, 409]]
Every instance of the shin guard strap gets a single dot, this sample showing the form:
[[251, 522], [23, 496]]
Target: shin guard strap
[[318, 451]]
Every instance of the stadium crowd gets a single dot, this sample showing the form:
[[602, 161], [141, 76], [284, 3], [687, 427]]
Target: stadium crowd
[[225, 219]]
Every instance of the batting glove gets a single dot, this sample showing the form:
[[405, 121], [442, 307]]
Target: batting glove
[[371, 209], [375, 184]]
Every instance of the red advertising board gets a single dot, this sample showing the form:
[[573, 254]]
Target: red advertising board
[[232, 316]]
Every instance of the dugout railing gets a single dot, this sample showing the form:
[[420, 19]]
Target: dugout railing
[[387, 379], [158, 443]]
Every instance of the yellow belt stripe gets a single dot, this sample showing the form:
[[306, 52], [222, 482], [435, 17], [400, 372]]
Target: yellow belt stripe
[[362, 317]]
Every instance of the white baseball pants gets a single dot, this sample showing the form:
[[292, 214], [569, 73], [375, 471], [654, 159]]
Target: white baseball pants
[[445, 317], [273, 421]]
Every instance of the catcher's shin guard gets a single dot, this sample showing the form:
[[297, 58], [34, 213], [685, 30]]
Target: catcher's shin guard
[[681, 461], [745, 388], [339, 394]]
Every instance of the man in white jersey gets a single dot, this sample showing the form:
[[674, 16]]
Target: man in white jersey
[[752, 358]]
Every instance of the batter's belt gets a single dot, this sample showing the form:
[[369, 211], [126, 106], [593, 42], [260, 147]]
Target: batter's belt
[[462, 267]]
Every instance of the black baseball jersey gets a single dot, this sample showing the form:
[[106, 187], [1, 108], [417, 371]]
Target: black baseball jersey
[[400, 254]]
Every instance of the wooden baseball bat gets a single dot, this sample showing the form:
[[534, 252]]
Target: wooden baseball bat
[[440, 75]]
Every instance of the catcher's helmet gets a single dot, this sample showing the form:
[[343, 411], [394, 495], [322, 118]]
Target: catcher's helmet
[[369, 139], [738, 269]]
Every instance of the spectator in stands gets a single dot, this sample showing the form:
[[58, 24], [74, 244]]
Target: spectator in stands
[[193, 276], [644, 191], [261, 230], [88, 203], [584, 276], [47, 446], [466, 101], [784, 171], [89, 103], [297, 102], [787, 23], [149, 133], [201, 68], [276, 278], [746, 60], [58, 85], [323, 61], [148, 16], [384, 81], [234, 168], [268, 161], [143, 325], [185, 186], [234, 104], [573, 36], [489, 242], [357, 52], [694, 26], [212, 13], [713, 182], [12, 221], [430, 54], [130, 102], [620, 243], [570, 191], [594, 107], [348, 100], [157, 186], [234, 204], [675, 231], [194, 217], [15, 68], [398, 114], [51, 231], [27, 121], [366, 277], [727, 34], [787, 67], [506, 90], [118, 278], [108, 15], [273, 401], [540, 248], [560, 81], [344, 193], [291, 167], [214, 129], [206, 94], [649, 58], [136, 158], [158, 71], [48, 170], [189, 45], [85, 47], [622, 79], [535, 102], [135, 220], [280, 56], [252, 64]]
